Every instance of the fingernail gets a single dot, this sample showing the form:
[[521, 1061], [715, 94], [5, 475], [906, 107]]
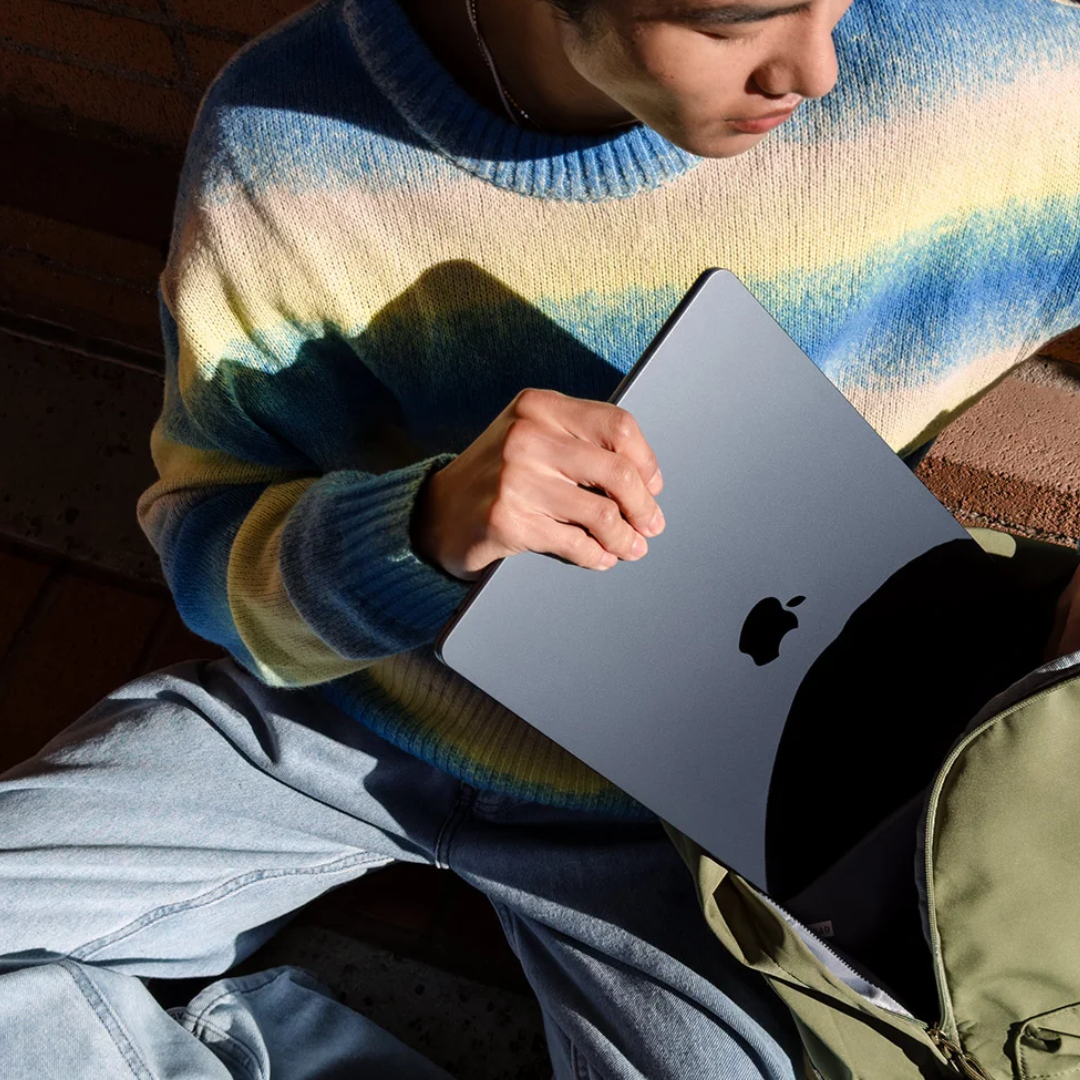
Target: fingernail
[[657, 522], [640, 546]]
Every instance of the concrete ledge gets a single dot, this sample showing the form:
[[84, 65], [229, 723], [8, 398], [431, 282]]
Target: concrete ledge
[[1012, 461]]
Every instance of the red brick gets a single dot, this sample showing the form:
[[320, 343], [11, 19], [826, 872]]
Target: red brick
[[996, 501], [79, 247], [20, 582], [208, 56], [108, 39], [1013, 461], [150, 112], [1020, 429], [152, 7], [123, 193], [248, 16], [82, 643], [1066, 347], [98, 308]]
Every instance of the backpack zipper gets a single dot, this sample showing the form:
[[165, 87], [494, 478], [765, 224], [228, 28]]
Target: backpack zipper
[[957, 1059], [887, 1002], [965, 1064], [1022, 692]]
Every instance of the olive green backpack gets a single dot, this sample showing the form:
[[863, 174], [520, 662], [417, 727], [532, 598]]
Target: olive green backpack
[[997, 886]]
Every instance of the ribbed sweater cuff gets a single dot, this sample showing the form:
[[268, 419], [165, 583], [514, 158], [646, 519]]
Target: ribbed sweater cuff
[[351, 570]]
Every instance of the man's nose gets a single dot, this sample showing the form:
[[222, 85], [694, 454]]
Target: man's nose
[[805, 64]]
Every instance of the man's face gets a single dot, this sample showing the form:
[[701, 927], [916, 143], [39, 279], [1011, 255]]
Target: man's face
[[701, 72]]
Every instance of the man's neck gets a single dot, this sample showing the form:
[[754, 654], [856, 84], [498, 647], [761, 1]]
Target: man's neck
[[525, 40]]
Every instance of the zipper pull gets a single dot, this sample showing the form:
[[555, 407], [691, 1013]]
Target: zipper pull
[[967, 1065]]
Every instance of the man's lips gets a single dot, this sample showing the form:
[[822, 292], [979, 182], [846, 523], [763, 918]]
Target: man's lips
[[765, 122]]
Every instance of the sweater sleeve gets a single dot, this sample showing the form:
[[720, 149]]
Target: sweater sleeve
[[288, 473], [303, 575]]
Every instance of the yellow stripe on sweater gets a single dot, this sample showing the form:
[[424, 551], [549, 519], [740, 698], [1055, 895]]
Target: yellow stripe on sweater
[[185, 469], [468, 722], [341, 256], [285, 648]]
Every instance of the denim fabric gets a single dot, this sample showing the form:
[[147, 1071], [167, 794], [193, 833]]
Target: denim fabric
[[174, 827]]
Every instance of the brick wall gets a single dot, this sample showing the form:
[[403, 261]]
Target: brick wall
[[138, 66], [97, 98]]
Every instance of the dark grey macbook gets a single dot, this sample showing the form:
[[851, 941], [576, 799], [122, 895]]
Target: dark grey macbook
[[793, 533]]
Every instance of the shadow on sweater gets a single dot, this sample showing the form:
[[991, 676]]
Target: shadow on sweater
[[430, 372]]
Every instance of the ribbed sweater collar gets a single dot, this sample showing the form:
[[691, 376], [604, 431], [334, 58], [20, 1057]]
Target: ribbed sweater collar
[[581, 168]]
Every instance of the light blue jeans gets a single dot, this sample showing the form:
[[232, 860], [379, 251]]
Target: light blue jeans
[[173, 829]]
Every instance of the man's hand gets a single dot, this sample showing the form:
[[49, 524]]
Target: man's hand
[[552, 473], [1065, 636]]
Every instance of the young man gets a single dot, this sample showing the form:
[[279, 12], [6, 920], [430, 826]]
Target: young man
[[416, 247]]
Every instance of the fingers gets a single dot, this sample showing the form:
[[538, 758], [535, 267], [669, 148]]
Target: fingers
[[601, 423], [583, 462], [620, 486], [598, 515], [576, 546], [579, 481]]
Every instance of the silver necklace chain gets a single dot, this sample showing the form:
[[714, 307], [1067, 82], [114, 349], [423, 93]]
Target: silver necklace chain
[[513, 109]]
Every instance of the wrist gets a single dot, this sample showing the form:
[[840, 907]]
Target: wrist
[[423, 526]]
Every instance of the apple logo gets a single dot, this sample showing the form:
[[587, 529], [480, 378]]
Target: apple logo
[[766, 624]]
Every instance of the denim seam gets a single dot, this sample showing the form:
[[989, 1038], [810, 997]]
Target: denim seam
[[580, 1065], [493, 803], [582, 1069], [509, 926], [232, 1048], [270, 976], [236, 1050], [464, 798], [227, 888], [108, 1020], [248, 1060]]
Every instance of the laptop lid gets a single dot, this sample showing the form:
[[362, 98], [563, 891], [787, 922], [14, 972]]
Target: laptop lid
[[673, 676]]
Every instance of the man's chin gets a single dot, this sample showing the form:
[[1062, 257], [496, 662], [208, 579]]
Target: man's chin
[[710, 144]]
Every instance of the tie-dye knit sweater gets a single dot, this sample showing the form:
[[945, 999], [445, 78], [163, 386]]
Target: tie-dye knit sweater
[[367, 265]]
